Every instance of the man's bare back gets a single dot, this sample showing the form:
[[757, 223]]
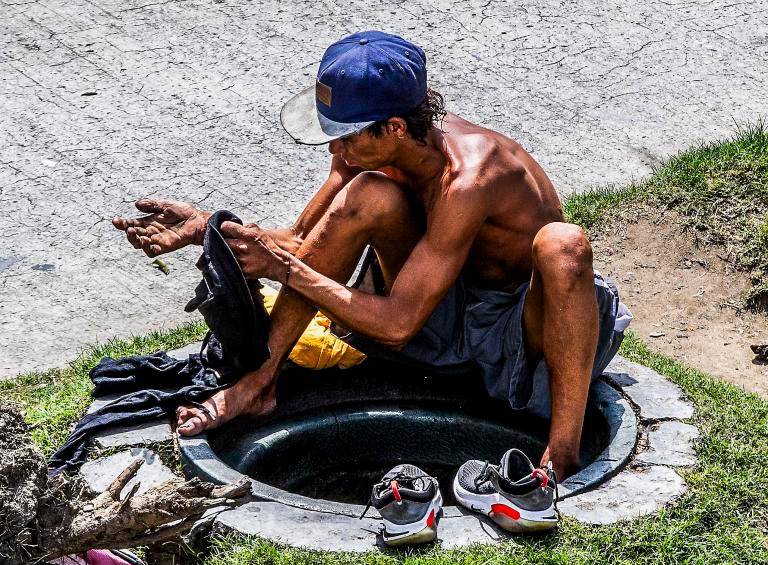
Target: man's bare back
[[522, 200]]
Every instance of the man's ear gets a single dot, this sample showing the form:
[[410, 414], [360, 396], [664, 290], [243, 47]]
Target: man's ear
[[397, 127]]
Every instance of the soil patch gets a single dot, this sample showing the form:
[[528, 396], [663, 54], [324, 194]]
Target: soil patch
[[22, 480], [686, 299]]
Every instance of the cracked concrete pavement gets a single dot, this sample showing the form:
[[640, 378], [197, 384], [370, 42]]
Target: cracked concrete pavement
[[106, 101]]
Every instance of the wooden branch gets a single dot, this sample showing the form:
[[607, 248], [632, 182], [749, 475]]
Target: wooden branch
[[127, 500], [122, 479], [165, 533], [112, 494], [236, 490], [161, 513], [48, 517]]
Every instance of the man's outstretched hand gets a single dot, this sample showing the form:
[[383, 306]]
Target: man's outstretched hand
[[256, 251], [169, 226]]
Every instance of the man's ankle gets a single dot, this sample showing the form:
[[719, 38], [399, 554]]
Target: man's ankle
[[564, 461], [258, 380]]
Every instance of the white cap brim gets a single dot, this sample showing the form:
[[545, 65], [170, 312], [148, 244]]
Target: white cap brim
[[300, 118]]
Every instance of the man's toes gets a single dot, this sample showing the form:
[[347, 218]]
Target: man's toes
[[192, 426], [182, 415]]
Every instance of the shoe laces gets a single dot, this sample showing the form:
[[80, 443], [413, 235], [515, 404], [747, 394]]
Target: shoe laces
[[388, 483], [489, 471], [487, 474], [550, 469]]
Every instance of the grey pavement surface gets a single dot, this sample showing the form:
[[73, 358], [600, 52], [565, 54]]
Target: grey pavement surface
[[100, 473], [106, 101]]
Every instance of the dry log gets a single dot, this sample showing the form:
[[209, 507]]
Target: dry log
[[60, 515]]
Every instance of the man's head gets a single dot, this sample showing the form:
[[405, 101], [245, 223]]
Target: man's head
[[380, 143], [370, 80]]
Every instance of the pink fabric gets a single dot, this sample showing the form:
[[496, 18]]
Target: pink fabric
[[103, 557], [92, 557]]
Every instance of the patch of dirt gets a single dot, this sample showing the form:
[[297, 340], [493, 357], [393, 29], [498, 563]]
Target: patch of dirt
[[685, 299], [22, 481]]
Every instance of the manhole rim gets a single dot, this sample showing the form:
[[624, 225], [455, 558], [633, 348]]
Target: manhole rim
[[199, 459]]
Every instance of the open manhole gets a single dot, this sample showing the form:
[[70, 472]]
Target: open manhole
[[337, 432]]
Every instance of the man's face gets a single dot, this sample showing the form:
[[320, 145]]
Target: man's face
[[364, 150]]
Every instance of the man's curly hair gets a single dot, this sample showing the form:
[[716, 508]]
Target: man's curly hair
[[419, 120]]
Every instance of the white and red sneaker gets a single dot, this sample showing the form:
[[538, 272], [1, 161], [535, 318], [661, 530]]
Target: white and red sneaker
[[409, 502], [514, 494]]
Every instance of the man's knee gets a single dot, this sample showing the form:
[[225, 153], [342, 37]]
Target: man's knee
[[561, 249], [370, 197]]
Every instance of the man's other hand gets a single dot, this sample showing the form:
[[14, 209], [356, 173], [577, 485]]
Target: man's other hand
[[259, 256], [169, 226], [286, 239]]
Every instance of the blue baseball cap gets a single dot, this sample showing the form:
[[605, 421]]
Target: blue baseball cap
[[364, 77]]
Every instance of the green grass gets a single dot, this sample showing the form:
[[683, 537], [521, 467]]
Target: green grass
[[719, 192], [53, 400]]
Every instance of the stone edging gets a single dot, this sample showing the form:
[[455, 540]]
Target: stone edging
[[649, 481], [645, 484], [200, 459], [651, 441]]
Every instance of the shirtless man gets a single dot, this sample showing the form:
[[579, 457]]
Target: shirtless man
[[456, 213]]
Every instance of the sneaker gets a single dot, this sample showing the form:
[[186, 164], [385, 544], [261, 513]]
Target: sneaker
[[409, 502], [514, 494]]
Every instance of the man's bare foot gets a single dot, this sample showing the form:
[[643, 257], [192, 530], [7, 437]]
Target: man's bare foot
[[564, 465], [247, 397]]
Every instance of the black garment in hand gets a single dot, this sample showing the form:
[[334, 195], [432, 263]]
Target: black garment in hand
[[154, 385], [232, 306]]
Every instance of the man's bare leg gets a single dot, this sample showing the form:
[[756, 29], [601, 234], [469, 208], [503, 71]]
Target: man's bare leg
[[370, 209], [561, 321]]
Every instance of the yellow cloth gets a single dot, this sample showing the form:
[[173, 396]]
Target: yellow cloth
[[317, 347]]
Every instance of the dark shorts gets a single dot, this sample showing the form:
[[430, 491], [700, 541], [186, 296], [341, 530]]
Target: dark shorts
[[474, 328]]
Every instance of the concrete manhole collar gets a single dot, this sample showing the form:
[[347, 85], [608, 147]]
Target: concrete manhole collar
[[336, 433]]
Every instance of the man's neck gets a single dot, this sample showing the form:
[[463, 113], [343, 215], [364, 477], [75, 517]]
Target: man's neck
[[422, 163]]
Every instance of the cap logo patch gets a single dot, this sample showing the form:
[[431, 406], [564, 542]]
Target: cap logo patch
[[323, 93]]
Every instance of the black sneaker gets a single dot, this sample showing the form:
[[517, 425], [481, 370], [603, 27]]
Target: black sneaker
[[409, 502], [514, 494]]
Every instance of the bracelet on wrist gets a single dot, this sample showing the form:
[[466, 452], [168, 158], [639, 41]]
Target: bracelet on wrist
[[287, 270]]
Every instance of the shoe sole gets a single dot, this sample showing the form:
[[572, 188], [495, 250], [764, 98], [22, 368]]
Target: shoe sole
[[423, 531], [426, 535], [504, 512]]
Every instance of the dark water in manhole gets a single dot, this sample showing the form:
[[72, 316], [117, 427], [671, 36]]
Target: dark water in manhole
[[354, 485], [339, 455]]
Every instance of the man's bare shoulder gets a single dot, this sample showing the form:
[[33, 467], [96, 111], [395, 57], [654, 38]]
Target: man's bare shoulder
[[486, 159], [342, 169], [480, 157]]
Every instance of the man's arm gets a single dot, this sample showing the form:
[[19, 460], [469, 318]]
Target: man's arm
[[426, 276], [172, 225], [290, 238], [339, 176]]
